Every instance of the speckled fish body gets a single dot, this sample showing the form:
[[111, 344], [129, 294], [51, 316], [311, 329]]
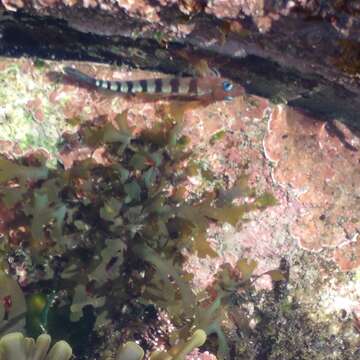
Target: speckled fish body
[[190, 87]]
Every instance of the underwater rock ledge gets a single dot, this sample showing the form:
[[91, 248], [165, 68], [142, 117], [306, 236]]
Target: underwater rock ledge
[[283, 54]]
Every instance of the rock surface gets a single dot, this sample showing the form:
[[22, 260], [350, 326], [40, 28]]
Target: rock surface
[[296, 59]]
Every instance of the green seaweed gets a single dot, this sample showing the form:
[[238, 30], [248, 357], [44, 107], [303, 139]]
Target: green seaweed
[[101, 221], [217, 136], [11, 170]]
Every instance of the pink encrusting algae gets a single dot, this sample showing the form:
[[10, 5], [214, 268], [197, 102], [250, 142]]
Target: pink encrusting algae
[[318, 162]]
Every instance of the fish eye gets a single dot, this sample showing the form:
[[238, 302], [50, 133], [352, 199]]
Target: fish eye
[[227, 86]]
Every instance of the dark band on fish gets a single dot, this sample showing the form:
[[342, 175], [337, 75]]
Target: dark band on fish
[[158, 86], [193, 88], [129, 86], [174, 83], [144, 85]]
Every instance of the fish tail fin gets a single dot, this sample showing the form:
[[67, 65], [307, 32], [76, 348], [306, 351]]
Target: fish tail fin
[[79, 76]]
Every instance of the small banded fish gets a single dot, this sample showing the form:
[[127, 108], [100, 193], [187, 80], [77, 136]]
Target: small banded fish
[[183, 87]]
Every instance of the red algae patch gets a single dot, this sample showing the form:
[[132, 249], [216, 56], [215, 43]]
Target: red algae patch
[[318, 162], [347, 255]]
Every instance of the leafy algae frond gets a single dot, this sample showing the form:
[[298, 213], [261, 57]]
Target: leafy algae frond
[[109, 230]]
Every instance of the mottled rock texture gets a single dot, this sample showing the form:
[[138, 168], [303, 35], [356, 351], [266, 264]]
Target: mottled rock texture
[[319, 162], [300, 53]]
